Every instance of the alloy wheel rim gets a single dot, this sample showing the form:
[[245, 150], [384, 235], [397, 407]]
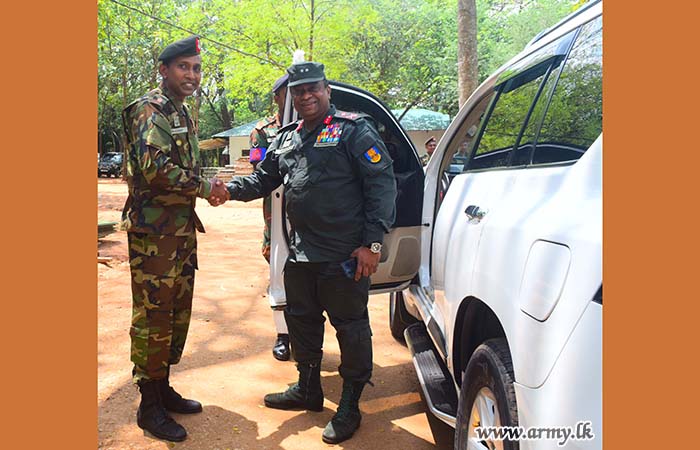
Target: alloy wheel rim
[[484, 413]]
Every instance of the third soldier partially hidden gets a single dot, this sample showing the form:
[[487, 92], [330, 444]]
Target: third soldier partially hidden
[[339, 193], [260, 139]]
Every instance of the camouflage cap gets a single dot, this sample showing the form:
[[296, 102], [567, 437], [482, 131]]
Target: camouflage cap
[[184, 47], [280, 83], [305, 72], [430, 139]]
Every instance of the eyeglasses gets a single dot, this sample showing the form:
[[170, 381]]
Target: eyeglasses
[[299, 91]]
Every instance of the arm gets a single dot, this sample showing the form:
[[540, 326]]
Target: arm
[[375, 168]]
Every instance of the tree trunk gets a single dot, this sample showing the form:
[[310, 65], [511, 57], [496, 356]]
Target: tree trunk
[[311, 31], [467, 62]]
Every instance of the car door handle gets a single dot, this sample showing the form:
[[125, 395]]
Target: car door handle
[[475, 213]]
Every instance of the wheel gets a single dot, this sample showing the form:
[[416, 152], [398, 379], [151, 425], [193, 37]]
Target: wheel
[[487, 397], [399, 317]]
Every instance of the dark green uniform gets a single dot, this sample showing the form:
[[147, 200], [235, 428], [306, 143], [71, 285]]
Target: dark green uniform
[[339, 195], [163, 178]]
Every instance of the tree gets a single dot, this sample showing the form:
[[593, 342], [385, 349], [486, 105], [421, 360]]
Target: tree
[[467, 65]]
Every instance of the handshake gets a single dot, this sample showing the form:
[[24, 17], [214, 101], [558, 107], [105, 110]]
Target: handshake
[[219, 193]]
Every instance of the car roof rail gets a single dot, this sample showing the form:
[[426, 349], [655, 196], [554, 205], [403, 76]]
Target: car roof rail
[[546, 31]]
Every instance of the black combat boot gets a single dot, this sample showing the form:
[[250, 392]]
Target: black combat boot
[[152, 417], [173, 402], [281, 348], [305, 394], [347, 420]]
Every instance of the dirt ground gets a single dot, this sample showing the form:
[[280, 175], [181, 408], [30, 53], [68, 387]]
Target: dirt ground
[[227, 364]]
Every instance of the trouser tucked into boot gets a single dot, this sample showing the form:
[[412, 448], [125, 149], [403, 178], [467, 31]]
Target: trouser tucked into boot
[[152, 417], [347, 420], [172, 401], [304, 394]]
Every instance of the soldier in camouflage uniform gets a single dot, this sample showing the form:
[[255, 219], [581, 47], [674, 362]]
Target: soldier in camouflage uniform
[[163, 175], [261, 137]]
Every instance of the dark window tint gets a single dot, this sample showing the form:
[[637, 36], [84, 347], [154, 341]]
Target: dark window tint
[[574, 116], [507, 118], [523, 155]]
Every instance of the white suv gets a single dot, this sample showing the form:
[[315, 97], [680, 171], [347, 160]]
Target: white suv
[[497, 280]]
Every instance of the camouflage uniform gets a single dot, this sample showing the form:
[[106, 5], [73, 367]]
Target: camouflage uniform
[[262, 136], [162, 162]]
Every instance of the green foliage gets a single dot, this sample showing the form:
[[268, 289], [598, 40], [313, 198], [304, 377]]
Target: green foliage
[[504, 27], [403, 51]]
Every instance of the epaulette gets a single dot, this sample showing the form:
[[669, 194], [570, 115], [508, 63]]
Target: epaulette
[[272, 120], [154, 97], [352, 116]]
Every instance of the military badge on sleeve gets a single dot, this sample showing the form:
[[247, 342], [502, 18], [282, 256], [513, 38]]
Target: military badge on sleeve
[[372, 155]]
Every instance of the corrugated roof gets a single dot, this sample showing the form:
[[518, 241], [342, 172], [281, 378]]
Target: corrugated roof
[[241, 130], [422, 119]]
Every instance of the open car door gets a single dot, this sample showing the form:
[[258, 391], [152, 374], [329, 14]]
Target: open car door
[[400, 257]]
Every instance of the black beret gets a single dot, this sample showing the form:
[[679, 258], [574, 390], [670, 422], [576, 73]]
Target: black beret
[[184, 47], [305, 72], [280, 83]]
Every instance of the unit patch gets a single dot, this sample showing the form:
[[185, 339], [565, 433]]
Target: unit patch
[[329, 136], [373, 155]]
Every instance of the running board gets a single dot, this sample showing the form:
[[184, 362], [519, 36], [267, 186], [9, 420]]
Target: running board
[[435, 379]]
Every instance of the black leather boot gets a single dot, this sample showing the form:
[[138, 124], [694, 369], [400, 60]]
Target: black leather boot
[[281, 348], [152, 417], [173, 402], [347, 420], [305, 394]]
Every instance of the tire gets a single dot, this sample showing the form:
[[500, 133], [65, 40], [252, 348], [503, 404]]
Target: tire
[[399, 317], [488, 378]]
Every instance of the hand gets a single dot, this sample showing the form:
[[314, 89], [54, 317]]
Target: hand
[[219, 194], [367, 262]]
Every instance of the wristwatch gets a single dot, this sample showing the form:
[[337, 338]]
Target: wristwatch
[[375, 247]]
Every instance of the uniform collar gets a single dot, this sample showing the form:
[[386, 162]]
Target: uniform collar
[[326, 119], [178, 103]]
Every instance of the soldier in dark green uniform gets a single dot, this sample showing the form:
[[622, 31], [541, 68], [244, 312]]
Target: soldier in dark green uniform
[[162, 161], [339, 195], [260, 139]]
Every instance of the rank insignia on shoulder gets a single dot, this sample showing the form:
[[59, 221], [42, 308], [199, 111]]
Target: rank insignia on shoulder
[[329, 135], [347, 115], [373, 155]]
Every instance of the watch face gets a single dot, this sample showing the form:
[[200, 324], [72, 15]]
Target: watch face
[[376, 247]]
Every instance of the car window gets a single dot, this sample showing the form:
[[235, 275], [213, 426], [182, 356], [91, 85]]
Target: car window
[[507, 117], [523, 84], [460, 146], [526, 145], [574, 116]]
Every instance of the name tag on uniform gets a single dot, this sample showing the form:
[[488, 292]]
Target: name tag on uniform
[[179, 130]]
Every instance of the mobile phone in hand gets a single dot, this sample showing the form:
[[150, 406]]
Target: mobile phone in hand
[[349, 267]]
